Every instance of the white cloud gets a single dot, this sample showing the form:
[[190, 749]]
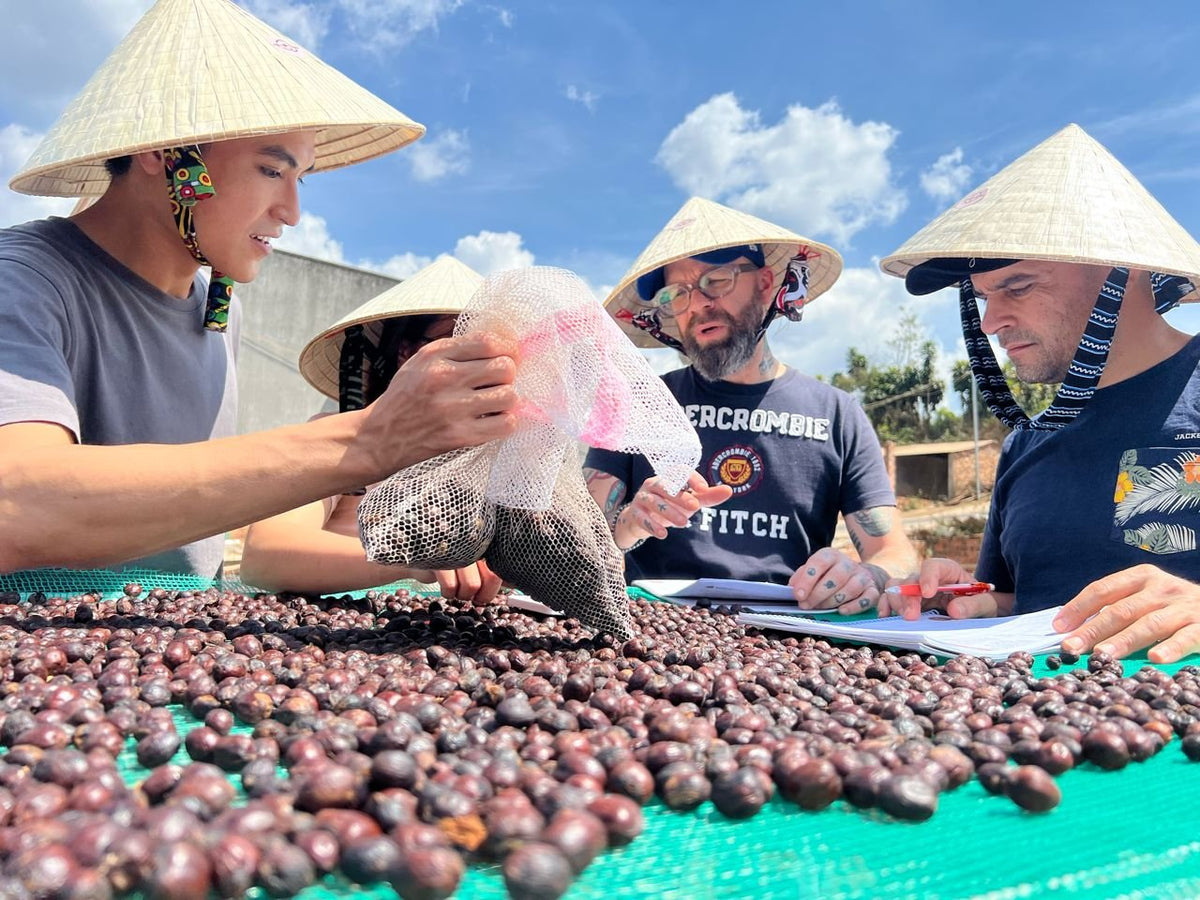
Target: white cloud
[[505, 16], [947, 178], [815, 171], [389, 24], [311, 237], [862, 310], [587, 98], [485, 252], [445, 154], [305, 23], [493, 251], [402, 265], [16, 144], [51, 51]]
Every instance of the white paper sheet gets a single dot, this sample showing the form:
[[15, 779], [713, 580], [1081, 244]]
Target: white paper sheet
[[932, 632], [753, 596]]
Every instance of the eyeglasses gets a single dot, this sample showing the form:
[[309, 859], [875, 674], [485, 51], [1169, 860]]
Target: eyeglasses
[[672, 299]]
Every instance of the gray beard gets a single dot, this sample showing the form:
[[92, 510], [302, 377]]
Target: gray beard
[[717, 362]]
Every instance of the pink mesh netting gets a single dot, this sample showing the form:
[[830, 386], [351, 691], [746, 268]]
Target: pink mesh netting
[[521, 503]]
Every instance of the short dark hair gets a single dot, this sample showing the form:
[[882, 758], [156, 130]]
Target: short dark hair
[[118, 166]]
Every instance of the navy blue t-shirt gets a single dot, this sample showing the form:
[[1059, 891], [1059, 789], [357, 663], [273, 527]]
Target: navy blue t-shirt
[[795, 451], [1118, 487]]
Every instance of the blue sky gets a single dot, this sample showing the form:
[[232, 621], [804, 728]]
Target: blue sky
[[567, 133]]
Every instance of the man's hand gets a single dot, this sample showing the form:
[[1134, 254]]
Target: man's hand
[[476, 583], [831, 578], [452, 393], [1135, 608], [935, 572], [653, 510]]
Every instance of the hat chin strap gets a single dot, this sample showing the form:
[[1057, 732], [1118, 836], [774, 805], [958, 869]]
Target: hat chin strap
[[188, 183], [1083, 375]]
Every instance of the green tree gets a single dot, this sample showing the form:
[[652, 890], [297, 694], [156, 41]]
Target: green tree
[[900, 399]]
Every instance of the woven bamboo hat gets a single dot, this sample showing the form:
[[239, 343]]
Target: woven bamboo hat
[[702, 226], [193, 71], [441, 288], [1066, 200]]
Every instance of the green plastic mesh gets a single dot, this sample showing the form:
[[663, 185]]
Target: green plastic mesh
[[1126, 834]]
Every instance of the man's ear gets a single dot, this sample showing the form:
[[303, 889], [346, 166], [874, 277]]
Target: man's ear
[[765, 279], [149, 161]]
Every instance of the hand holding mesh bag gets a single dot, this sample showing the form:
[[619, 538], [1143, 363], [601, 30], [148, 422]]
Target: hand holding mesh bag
[[522, 502]]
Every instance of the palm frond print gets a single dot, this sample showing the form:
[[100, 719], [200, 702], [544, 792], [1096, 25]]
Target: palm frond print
[[1166, 488], [1161, 538]]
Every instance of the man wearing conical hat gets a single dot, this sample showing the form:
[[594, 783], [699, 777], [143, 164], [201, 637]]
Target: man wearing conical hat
[[117, 385], [783, 454], [316, 548], [1069, 263]]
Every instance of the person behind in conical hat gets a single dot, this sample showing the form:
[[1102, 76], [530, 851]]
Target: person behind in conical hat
[[316, 548], [784, 453], [117, 384], [1096, 499]]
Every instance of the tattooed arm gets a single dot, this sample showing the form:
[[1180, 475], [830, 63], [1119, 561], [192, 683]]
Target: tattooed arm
[[830, 578], [878, 536]]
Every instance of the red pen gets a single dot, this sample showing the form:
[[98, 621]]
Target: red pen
[[958, 590]]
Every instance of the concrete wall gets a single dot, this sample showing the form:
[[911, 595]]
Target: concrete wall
[[293, 299]]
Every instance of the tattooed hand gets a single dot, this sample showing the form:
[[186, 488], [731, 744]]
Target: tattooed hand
[[830, 579], [653, 510]]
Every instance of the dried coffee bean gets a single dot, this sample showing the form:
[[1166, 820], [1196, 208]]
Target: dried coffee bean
[[427, 873], [156, 749], [1033, 789], [1105, 749], [180, 871], [1191, 746], [739, 794], [578, 835], [908, 797], [682, 786], [621, 816], [632, 779], [811, 784], [537, 871], [370, 860]]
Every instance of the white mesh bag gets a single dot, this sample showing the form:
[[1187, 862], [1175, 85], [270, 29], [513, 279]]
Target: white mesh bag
[[579, 379]]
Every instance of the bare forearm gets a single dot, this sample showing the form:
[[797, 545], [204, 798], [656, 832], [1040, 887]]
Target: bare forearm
[[94, 505], [315, 562]]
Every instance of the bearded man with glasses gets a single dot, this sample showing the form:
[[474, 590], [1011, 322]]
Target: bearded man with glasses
[[784, 454]]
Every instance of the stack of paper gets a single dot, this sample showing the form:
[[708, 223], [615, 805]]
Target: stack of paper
[[931, 633], [751, 596]]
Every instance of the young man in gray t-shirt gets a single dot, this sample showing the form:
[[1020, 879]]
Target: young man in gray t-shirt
[[117, 394]]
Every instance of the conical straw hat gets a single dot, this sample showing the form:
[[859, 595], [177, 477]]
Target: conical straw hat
[[193, 71], [441, 288], [1067, 200], [702, 225]]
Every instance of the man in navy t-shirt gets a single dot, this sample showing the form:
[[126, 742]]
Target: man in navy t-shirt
[[783, 454], [1097, 499]]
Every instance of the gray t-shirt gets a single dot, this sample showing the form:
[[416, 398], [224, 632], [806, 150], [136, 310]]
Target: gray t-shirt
[[88, 344]]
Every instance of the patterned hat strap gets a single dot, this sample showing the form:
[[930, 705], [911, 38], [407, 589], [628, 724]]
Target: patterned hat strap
[[988, 377], [351, 381], [188, 183], [650, 321], [1169, 290], [1084, 373], [790, 296]]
